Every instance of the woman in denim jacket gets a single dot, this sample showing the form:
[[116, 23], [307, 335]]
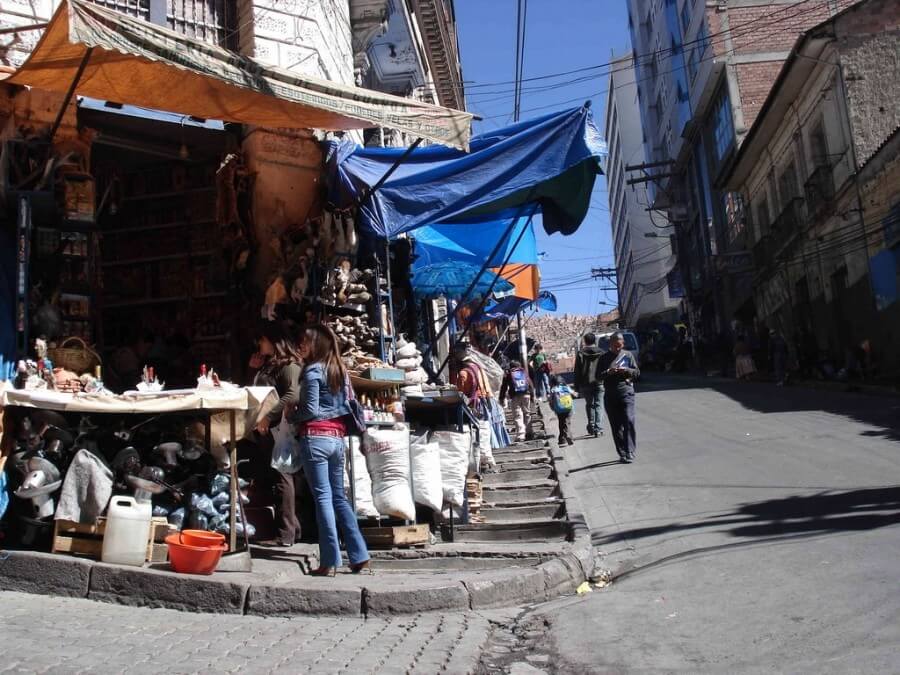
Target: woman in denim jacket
[[321, 416]]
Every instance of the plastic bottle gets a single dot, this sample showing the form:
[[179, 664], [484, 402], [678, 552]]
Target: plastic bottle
[[127, 531]]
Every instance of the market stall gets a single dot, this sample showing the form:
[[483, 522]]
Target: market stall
[[73, 454]]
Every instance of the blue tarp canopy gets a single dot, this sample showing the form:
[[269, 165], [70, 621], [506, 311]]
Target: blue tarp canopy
[[511, 306], [551, 160], [473, 241]]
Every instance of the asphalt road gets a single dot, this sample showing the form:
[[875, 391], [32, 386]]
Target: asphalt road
[[758, 531]]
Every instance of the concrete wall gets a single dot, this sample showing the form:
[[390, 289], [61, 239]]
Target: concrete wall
[[639, 260]]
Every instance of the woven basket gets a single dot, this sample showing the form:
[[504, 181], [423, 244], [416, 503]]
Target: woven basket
[[80, 359]]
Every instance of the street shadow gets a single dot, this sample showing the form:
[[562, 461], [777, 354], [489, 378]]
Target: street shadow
[[613, 462], [802, 515], [881, 412]]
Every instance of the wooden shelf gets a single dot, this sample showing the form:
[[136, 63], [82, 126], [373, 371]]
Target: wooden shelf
[[162, 226], [160, 258], [173, 193]]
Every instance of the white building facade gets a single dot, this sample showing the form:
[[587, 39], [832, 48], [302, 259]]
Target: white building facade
[[641, 238]]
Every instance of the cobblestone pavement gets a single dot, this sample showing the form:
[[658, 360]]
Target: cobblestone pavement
[[44, 634]]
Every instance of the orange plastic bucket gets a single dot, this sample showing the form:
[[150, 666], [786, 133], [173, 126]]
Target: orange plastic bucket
[[187, 559], [201, 538]]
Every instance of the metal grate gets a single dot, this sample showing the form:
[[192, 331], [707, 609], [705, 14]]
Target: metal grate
[[213, 21], [138, 8]]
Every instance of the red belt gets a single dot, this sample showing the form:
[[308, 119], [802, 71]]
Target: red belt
[[321, 432]]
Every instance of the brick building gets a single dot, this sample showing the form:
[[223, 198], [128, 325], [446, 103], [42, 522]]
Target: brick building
[[704, 70], [818, 175]]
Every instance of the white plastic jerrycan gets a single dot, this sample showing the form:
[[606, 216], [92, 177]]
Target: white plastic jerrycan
[[127, 531]]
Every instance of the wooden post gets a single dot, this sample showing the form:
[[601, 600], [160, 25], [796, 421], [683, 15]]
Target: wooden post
[[235, 488]]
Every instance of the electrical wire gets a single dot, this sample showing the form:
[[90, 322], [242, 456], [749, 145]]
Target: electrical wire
[[712, 56]]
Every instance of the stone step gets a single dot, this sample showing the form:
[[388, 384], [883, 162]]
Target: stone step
[[506, 465], [524, 493], [505, 455], [538, 512], [533, 476], [547, 530]]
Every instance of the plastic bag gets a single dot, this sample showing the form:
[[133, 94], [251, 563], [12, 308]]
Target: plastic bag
[[425, 459], [362, 488], [454, 447], [286, 451], [387, 456]]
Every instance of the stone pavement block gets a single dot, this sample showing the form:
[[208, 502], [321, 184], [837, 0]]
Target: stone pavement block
[[141, 587], [559, 578], [414, 600], [525, 586], [583, 551], [46, 573], [288, 601]]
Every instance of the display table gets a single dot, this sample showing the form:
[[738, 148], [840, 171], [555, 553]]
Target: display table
[[254, 402]]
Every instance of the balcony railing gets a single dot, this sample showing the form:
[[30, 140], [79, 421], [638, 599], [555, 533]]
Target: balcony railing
[[819, 191]]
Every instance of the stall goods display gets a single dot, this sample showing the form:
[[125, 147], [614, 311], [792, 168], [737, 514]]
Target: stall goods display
[[67, 466], [425, 458], [362, 485], [354, 335], [455, 448], [387, 458], [409, 359]]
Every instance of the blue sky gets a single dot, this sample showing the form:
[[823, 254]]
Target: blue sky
[[562, 35]]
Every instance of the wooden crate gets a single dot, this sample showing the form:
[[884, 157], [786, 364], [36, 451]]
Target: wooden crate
[[87, 539], [397, 536]]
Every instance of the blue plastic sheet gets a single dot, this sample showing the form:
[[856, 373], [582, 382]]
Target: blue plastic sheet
[[473, 241], [508, 307], [551, 160]]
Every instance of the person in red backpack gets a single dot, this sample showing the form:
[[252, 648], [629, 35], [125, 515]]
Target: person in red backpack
[[518, 388]]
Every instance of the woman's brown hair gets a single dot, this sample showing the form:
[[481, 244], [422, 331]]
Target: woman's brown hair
[[323, 348]]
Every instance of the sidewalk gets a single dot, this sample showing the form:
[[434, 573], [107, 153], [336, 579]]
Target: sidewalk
[[519, 555]]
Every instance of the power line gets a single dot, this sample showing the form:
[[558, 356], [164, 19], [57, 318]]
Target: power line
[[734, 33]]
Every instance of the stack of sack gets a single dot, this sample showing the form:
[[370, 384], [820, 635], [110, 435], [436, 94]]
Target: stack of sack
[[409, 359]]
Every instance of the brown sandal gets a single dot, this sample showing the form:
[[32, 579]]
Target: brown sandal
[[322, 572], [360, 567]]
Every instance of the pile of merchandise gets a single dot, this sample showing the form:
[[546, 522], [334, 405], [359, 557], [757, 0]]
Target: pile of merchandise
[[409, 359]]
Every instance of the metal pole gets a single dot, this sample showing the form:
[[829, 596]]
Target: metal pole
[[70, 93], [523, 343], [235, 491]]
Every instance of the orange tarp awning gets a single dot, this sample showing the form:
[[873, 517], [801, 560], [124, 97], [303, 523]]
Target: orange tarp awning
[[525, 278], [139, 63]]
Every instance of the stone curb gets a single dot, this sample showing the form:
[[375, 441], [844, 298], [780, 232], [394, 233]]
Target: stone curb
[[45, 573]]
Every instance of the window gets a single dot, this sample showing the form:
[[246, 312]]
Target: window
[[686, 15], [762, 217], [723, 126], [693, 62], [702, 39], [787, 184], [734, 214], [818, 145]]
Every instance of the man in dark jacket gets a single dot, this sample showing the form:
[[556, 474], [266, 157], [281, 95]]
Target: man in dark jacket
[[588, 385], [618, 369]]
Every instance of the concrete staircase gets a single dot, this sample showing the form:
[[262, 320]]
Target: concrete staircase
[[521, 499]]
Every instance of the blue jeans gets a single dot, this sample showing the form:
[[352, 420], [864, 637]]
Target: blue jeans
[[592, 395], [323, 464]]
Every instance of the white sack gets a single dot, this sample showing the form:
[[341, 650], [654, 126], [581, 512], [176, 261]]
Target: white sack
[[387, 456], [484, 445], [407, 350], [493, 373], [417, 376], [426, 468], [409, 362], [365, 507], [454, 448]]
